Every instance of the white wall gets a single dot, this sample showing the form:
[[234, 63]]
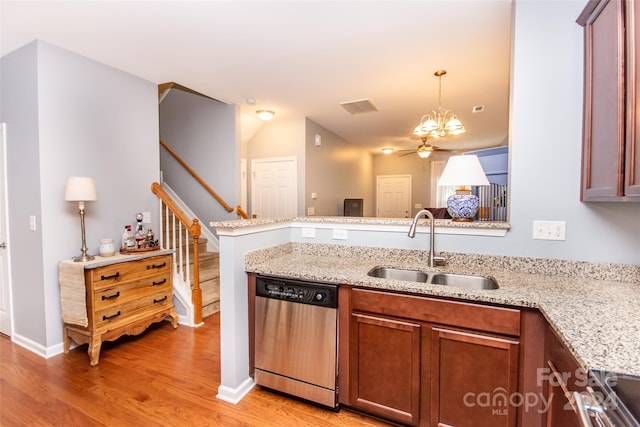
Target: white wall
[[279, 138], [336, 170], [68, 115]]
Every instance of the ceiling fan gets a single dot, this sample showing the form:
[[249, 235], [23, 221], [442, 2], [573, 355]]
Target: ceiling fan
[[424, 150]]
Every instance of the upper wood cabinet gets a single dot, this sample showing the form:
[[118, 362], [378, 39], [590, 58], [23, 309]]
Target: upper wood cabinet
[[611, 135]]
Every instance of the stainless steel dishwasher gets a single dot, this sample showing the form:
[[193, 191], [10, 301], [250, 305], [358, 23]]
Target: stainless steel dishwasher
[[296, 338]]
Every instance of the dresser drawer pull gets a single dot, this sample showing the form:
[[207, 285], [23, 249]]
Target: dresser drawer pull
[[162, 282], [116, 295], [112, 316], [113, 276], [164, 264], [155, 301]]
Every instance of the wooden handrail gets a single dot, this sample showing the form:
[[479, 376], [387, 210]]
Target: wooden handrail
[[194, 228], [194, 231], [241, 212], [196, 176]]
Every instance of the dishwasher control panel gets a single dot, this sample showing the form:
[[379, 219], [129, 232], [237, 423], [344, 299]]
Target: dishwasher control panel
[[322, 294]]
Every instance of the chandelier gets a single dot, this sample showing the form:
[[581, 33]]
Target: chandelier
[[442, 122]]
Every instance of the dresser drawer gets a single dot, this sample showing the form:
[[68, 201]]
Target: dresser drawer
[[107, 276], [120, 296], [118, 314], [121, 293]]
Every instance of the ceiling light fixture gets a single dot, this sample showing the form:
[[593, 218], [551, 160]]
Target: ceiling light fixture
[[424, 151], [442, 122], [265, 114], [387, 150]]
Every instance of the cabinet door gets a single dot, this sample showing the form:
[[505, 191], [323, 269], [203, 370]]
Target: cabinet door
[[562, 376], [603, 148], [385, 367], [632, 166], [473, 379]]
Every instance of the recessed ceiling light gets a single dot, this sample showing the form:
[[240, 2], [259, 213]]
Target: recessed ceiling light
[[387, 150]]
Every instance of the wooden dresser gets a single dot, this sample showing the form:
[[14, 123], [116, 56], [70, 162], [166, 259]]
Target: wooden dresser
[[123, 295]]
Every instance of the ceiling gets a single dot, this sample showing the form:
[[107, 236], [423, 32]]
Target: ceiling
[[301, 58]]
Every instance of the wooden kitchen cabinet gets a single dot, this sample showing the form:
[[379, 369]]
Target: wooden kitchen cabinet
[[562, 376], [425, 361], [386, 367], [122, 298], [473, 378], [611, 125]]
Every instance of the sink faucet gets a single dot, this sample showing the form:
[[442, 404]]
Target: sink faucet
[[432, 234]]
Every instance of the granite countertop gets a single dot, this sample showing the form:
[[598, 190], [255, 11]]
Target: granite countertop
[[592, 306], [404, 222]]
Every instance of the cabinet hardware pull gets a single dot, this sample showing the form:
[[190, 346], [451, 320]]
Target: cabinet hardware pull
[[164, 264], [116, 295], [155, 301], [112, 316], [162, 282], [113, 276]]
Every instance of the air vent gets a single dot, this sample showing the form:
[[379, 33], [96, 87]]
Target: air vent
[[360, 106], [477, 109]]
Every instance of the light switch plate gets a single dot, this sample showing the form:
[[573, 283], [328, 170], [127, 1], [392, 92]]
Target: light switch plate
[[146, 217], [549, 230]]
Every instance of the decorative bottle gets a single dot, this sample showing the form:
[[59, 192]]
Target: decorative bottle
[[128, 241]]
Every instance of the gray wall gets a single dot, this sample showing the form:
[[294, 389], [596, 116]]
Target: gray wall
[[68, 115], [202, 132], [411, 164], [279, 138], [336, 170]]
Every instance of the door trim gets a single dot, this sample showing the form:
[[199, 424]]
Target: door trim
[[5, 280], [410, 191]]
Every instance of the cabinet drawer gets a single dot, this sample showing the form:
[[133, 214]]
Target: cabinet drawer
[[499, 320], [121, 313], [125, 292], [107, 276]]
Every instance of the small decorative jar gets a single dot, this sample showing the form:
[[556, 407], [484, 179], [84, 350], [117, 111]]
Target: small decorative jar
[[107, 247]]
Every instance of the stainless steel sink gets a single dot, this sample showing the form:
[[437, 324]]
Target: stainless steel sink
[[445, 279], [399, 274], [464, 281]]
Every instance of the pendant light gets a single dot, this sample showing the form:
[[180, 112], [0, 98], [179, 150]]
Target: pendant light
[[442, 122]]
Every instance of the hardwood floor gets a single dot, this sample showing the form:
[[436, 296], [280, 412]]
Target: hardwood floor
[[163, 377]]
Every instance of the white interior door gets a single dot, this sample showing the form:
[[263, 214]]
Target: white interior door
[[393, 197], [274, 187], [5, 284]]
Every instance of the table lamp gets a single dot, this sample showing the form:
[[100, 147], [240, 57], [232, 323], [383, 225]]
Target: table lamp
[[81, 189], [463, 171]]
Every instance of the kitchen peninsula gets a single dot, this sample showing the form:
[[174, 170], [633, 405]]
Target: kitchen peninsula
[[590, 306]]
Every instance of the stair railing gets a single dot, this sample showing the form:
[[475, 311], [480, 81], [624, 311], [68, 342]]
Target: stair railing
[[239, 211], [181, 240]]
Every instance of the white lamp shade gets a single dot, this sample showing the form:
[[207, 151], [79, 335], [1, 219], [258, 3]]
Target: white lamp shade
[[463, 170], [80, 189]]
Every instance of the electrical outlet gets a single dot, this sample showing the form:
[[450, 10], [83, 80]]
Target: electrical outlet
[[340, 234], [32, 223], [309, 232], [549, 230]]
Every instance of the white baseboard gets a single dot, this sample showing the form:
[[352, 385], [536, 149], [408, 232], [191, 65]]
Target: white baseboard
[[34, 347], [235, 395]]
